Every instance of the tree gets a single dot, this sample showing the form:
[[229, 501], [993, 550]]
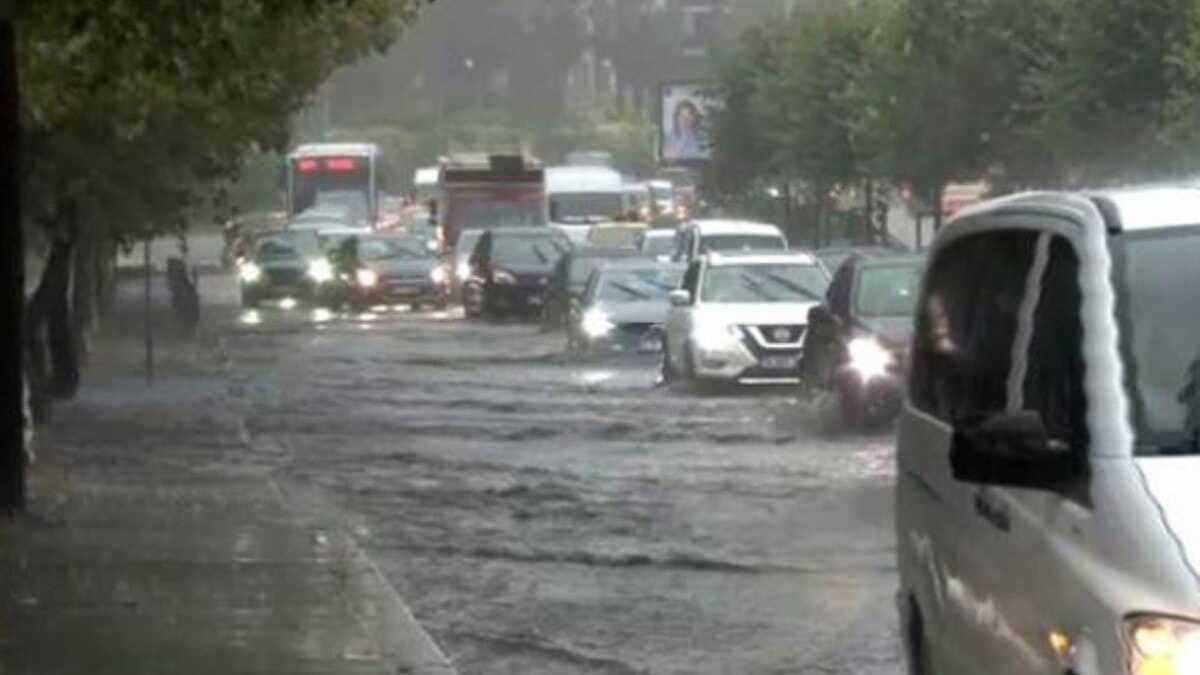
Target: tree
[[133, 110]]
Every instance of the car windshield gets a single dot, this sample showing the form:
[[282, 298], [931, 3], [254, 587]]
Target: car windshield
[[287, 247], [528, 250], [378, 248], [352, 203], [728, 243], [485, 213], [582, 268], [613, 237], [780, 282], [586, 207], [658, 245], [886, 291], [1156, 277], [637, 285]]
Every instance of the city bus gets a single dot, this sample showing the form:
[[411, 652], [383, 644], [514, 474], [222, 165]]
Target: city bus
[[335, 174]]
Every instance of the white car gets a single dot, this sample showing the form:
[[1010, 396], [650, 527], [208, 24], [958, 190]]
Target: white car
[[698, 237], [1047, 502], [742, 318]]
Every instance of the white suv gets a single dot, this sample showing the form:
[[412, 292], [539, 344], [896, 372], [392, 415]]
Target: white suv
[[1048, 488], [698, 237], [742, 317]]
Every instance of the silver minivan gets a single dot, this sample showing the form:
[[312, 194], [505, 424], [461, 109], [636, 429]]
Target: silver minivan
[[1048, 483]]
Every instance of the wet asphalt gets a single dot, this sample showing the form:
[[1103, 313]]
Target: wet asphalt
[[544, 515]]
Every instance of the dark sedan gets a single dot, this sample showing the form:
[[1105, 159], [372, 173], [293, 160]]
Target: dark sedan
[[510, 271], [381, 269], [623, 308], [857, 340], [571, 276], [283, 265]]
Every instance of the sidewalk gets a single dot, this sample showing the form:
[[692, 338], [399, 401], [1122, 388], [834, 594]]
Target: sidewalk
[[158, 543]]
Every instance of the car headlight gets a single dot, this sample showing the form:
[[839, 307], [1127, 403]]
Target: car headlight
[[438, 275], [868, 358], [320, 270], [367, 278], [463, 270], [503, 278], [596, 323], [714, 336], [250, 273], [1163, 646]]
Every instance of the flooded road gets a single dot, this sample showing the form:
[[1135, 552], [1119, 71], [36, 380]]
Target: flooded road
[[543, 515]]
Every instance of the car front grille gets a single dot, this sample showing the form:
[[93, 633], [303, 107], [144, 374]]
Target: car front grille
[[284, 277], [775, 336]]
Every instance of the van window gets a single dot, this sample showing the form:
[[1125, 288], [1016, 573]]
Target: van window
[[1054, 379], [1155, 276], [967, 325]]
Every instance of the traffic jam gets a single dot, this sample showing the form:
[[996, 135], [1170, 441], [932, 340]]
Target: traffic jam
[[619, 267]]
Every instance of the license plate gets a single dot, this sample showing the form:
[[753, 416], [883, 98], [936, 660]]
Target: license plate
[[780, 362], [650, 345]]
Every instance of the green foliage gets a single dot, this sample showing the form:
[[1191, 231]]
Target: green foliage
[[135, 109], [1029, 93]]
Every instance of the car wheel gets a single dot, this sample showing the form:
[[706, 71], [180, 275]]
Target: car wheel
[[919, 659], [668, 369], [689, 362], [850, 403]]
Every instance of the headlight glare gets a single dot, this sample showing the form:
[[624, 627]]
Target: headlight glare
[[596, 323], [463, 270], [250, 273], [320, 270], [868, 358], [367, 278], [503, 278], [1163, 646], [438, 275], [714, 336]]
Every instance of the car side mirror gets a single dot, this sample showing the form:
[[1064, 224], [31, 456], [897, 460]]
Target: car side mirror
[[1012, 449], [680, 298]]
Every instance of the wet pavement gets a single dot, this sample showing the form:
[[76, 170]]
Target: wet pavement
[[543, 515]]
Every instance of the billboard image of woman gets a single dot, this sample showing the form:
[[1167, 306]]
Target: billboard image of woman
[[682, 124]]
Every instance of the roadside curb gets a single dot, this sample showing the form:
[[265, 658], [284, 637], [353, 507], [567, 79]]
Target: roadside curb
[[405, 644]]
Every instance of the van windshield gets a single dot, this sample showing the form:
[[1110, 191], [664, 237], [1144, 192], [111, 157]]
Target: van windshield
[[724, 243], [1156, 277], [586, 207]]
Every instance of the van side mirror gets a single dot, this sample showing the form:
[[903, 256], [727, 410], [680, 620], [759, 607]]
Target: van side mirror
[[680, 298], [1012, 449]]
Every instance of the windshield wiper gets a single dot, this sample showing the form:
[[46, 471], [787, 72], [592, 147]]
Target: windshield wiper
[[630, 291], [795, 288]]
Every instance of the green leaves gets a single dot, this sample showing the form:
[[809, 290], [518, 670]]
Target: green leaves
[[140, 106]]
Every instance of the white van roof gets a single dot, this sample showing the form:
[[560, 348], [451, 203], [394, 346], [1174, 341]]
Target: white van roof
[[718, 227], [1128, 208], [719, 259], [583, 179]]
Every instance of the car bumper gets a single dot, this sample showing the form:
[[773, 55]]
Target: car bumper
[[401, 294], [625, 339], [518, 298], [737, 363], [266, 290]]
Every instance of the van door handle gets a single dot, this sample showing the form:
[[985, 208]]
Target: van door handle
[[993, 512]]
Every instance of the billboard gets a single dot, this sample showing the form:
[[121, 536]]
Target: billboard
[[683, 115]]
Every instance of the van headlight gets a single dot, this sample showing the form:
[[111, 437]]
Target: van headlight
[[250, 273], [367, 278], [1163, 646], [716, 336], [320, 270], [869, 358], [596, 324], [438, 275]]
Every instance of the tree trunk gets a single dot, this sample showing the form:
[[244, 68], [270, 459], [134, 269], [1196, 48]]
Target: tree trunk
[[55, 364], [12, 281], [84, 295]]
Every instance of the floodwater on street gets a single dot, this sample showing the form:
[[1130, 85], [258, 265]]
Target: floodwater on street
[[543, 515]]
